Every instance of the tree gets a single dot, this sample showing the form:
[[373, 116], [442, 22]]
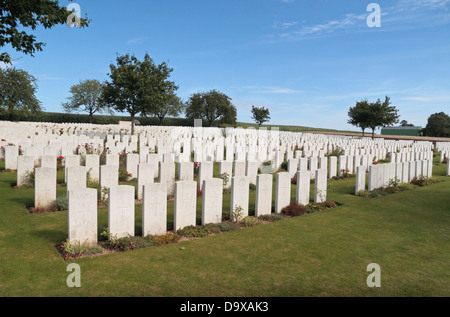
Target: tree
[[16, 15], [373, 114], [260, 115], [17, 92], [171, 106], [359, 115], [382, 114], [86, 97], [137, 87], [212, 106], [405, 123], [438, 125]]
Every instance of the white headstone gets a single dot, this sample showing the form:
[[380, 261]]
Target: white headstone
[[82, 214], [154, 209], [303, 187], [320, 188], [360, 179], [144, 176], [282, 191], [263, 201], [121, 211], [25, 165], [185, 204], [239, 194], [212, 198], [44, 187]]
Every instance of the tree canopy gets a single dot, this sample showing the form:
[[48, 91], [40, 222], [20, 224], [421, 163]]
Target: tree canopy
[[17, 92], [260, 115], [212, 106], [373, 115], [171, 106], [17, 15], [359, 115], [86, 97], [405, 123], [438, 125], [137, 87]]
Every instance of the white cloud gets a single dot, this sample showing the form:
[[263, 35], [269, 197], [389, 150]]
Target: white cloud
[[284, 25], [404, 14], [136, 40]]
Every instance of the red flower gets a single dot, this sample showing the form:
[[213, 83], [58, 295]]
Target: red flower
[[59, 162], [61, 157]]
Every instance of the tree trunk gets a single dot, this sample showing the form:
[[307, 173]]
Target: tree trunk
[[373, 134], [132, 124], [363, 132], [161, 120], [90, 117]]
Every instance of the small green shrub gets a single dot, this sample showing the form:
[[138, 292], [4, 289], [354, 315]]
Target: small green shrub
[[30, 176], [225, 177], [61, 203], [164, 239], [284, 166], [252, 186], [313, 207], [127, 243], [194, 231], [336, 151], [123, 175], [250, 221], [363, 193], [228, 226], [94, 250], [73, 249], [272, 217], [237, 213], [424, 181], [328, 204], [213, 228]]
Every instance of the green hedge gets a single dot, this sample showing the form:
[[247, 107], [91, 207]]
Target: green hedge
[[56, 117]]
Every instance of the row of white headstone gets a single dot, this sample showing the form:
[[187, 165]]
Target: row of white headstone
[[107, 175], [82, 203]]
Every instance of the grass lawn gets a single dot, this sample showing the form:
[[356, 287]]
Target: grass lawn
[[319, 254]]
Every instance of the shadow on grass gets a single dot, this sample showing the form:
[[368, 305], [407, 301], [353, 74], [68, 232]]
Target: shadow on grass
[[49, 235]]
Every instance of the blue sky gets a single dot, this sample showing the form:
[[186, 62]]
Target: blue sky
[[307, 61]]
